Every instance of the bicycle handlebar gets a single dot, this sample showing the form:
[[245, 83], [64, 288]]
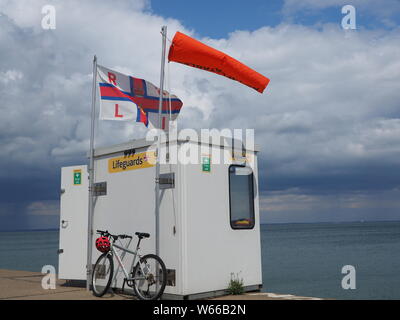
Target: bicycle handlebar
[[114, 236]]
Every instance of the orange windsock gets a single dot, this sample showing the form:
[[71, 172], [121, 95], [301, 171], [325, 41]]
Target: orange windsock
[[193, 53]]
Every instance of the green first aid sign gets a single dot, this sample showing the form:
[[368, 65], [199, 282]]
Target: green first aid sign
[[206, 164], [77, 177]]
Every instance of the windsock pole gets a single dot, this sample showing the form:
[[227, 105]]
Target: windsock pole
[[91, 179], [157, 187]]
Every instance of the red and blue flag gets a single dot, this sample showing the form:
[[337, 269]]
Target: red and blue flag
[[124, 97]]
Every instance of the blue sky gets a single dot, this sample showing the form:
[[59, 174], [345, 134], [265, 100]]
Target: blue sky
[[328, 124], [216, 19]]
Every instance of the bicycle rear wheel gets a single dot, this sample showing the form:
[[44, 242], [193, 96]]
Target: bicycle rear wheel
[[102, 274], [150, 277]]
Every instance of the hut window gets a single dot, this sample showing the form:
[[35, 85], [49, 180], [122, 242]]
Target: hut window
[[241, 197]]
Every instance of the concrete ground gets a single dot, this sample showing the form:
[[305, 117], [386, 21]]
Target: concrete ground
[[26, 285]]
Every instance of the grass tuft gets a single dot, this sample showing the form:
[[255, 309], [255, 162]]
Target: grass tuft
[[235, 285]]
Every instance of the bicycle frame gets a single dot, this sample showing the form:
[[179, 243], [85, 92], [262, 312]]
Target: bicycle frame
[[120, 258]]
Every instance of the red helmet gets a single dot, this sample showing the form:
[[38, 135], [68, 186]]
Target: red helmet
[[103, 244]]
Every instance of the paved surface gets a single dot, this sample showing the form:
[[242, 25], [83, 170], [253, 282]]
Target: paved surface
[[265, 296], [26, 285]]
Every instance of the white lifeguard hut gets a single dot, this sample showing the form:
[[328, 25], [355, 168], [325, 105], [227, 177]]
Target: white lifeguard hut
[[209, 223]]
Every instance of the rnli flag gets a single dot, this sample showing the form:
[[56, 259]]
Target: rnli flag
[[124, 97], [191, 52]]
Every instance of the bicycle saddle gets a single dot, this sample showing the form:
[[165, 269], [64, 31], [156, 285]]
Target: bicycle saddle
[[142, 235]]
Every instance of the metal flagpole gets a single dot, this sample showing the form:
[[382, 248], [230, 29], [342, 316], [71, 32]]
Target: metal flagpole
[[91, 179], [157, 209]]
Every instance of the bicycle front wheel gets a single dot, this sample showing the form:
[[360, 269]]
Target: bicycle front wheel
[[150, 277], [102, 274]]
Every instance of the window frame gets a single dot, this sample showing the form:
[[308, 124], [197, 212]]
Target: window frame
[[253, 214]]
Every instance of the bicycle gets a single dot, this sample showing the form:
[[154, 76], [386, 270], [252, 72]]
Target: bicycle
[[148, 277]]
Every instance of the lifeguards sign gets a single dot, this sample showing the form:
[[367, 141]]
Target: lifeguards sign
[[124, 98], [133, 162]]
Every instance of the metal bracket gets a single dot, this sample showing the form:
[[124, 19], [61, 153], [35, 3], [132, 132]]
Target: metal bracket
[[167, 180], [100, 189], [171, 277]]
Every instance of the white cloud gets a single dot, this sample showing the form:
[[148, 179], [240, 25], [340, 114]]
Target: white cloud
[[317, 76], [10, 76], [293, 205], [45, 208]]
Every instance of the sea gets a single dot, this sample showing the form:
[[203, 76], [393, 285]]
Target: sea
[[299, 259]]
